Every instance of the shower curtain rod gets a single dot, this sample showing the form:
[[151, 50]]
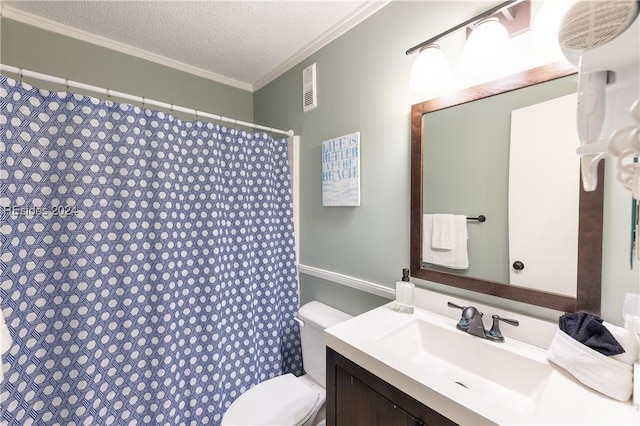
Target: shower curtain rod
[[69, 83]]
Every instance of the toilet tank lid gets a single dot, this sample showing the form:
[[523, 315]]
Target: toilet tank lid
[[321, 315]]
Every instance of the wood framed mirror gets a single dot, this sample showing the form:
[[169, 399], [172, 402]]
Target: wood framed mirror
[[589, 216]]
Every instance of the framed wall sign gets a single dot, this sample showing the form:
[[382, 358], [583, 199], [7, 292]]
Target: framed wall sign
[[341, 171]]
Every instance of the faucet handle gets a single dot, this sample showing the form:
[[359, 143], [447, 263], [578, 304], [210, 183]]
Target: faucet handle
[[453, 305], [495, 333], [468, 312], [463, 323]]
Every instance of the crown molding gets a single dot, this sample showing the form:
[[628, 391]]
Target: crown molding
[[56, 27], [359, 15]]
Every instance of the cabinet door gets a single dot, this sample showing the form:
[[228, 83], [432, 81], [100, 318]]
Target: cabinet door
[[358, 404], [356, 397]]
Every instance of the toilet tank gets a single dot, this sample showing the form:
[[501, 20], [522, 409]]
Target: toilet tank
[[317, 317]]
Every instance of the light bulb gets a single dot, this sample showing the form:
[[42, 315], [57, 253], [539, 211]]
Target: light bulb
[[544, 32], [487, 48], [430, 70]]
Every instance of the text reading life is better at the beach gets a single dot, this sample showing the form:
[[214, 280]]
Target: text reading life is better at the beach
[[341, 171]]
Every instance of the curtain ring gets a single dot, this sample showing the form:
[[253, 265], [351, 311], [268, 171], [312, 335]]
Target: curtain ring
[[196, 112], [21, 75], [144, 102], [171, 109]]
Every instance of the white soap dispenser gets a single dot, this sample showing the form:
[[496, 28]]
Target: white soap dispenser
[[404, 294]]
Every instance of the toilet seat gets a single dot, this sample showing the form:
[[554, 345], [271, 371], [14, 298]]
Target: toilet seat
[[283, 400]]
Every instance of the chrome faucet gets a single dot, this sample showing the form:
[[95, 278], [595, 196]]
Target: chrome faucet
[[471, 322]]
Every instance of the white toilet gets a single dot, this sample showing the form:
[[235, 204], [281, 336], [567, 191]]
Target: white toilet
[[287, 399]]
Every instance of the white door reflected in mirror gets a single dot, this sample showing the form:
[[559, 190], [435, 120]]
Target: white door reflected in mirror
[[544, 195]]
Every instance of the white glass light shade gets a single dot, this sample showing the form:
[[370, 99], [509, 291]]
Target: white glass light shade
[[430, 70], [487, 49], [544, 32]]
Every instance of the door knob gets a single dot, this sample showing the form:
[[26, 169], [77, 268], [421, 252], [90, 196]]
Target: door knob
[[518, 266]]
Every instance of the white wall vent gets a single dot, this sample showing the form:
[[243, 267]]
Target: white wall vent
[[309, 89]]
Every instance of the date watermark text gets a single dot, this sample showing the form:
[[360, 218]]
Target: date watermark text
[[44, 211]]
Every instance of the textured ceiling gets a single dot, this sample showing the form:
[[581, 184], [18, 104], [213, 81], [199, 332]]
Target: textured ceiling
[[249, 42]]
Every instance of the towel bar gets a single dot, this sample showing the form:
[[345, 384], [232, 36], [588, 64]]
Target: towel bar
[[480, 218]]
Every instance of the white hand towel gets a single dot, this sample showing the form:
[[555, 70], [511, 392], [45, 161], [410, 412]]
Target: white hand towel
[[443, 232], [600, 372], [457, 257], [627, 340], [5, 342]]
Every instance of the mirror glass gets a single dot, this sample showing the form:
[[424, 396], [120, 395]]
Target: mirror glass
[[479, 152]]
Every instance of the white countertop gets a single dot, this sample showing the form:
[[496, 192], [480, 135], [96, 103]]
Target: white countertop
[[563, 401]]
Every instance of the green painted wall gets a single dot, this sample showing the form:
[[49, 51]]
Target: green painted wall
[[363, 85], [28, 47]]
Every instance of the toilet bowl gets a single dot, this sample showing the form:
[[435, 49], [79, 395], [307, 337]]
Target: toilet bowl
[[287, 399]]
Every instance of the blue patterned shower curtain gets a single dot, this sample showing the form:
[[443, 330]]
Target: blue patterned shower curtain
[[148, 264]]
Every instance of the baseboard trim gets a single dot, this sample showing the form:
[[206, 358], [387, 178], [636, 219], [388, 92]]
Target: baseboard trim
[[345, 280]]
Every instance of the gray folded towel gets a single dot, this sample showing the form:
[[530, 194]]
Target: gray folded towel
[[589, 330]]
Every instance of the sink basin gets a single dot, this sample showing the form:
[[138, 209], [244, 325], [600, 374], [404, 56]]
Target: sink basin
[[494, 372]]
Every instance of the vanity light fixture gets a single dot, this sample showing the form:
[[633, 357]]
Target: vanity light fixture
[[487, 47], [488, 40], [430, 69], [546, 26]]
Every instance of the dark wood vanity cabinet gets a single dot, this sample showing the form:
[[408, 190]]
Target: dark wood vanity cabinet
[[356, 397]]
